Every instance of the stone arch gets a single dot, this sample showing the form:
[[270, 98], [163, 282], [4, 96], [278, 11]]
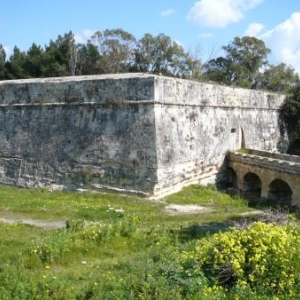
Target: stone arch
[[280, 192], [252, 186], [231, 178]]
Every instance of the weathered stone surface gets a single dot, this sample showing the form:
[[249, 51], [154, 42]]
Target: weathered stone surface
[[197, 123], [131, 132]]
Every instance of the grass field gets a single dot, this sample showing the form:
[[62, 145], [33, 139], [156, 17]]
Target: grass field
[[112, 246]]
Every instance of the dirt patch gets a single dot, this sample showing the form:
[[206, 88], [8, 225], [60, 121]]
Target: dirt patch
[[176, 209], [34, 222]]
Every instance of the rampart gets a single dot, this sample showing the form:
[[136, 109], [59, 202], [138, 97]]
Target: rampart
[[132, 132]]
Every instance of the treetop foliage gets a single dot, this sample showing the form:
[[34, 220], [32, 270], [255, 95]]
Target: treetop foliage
[[244, 63]]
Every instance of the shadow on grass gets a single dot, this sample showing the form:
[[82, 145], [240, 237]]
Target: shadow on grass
[[198, 231], [265, 214], [265, 204]]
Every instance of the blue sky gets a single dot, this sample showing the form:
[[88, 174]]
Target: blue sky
[[201, 26]]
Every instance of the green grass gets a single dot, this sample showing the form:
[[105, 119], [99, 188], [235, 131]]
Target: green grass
[[45, 204], [103, 254], [243, 150]]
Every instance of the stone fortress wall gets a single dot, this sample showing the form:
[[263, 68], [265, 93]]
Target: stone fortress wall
[[131, 132], [197, 123]]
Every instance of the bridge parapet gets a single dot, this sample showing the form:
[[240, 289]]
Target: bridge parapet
[[281, 165], [280, 156]]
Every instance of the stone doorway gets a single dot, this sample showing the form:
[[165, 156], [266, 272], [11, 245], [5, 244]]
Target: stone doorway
[[237, 138]]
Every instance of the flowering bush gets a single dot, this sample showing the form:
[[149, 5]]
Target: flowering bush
[[263, 257]]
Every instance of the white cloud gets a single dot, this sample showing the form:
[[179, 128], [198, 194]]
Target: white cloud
[[167, 12], [206, 35], [82, 36], [254, 29], [220, 13], [284, 42], [8, 51]]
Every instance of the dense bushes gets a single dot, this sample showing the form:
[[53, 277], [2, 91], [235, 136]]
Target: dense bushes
[[263, 259]]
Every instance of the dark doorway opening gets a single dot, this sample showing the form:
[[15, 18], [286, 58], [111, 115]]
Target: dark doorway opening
[[229, 184], [231, 178], [280, 192], [252, 186]]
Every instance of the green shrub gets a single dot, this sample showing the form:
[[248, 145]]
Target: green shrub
[[264, 258], [54, 249]]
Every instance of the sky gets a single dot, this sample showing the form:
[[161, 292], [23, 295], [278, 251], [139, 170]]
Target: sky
[[202, 26]]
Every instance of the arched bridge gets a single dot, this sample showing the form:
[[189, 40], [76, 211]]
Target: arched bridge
[[260, 174]]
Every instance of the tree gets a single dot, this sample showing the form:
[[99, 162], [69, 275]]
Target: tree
[[218, 70], [160, 55], [196, 65], [61, 56], [116, 50], [34, 62], [241, 64], [88, 59], [289, 120], [2, 62], [15, 66], [279, 78]]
